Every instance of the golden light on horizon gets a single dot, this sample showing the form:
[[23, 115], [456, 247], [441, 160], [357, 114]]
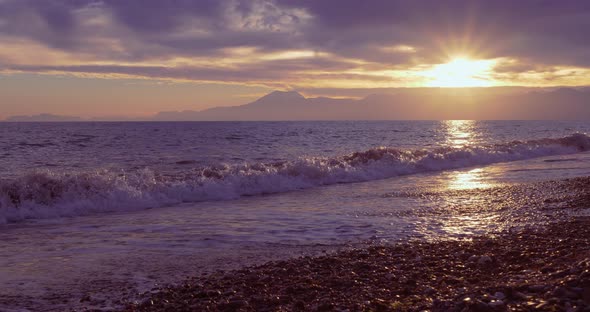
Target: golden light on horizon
[[461, 72]]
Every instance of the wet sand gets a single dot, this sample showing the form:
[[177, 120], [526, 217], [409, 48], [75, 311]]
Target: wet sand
[[541, 270], [538, 268]]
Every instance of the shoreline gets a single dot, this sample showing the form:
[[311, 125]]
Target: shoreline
[[474, 222], [545, 269]]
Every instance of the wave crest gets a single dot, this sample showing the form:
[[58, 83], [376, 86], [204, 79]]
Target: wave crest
[[52, 194]]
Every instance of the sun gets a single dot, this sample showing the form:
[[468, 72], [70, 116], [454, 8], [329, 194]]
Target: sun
[[461, 72]]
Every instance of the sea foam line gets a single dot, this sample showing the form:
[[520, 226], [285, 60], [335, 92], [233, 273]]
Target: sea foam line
[[52, 194]]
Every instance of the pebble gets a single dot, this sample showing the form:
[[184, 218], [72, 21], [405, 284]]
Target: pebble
[[377, 281], [536, 288], [483, 260], [496, 303], [500, 295]]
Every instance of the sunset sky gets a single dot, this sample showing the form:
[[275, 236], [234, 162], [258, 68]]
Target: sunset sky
[[138, 57]]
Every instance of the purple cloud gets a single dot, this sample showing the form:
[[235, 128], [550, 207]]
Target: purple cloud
[[537, 32]]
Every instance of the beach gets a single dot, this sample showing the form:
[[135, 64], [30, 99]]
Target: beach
[[528, 269]]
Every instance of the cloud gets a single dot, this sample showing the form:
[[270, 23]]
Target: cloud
[[197, 39], [277, 74]]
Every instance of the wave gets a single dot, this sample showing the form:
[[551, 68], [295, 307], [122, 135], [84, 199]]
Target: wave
[[53, 194]]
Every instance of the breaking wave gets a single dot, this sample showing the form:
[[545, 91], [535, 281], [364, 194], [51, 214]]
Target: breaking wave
[[53, 194]]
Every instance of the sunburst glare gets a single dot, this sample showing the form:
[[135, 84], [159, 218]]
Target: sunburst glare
[[461, 72]]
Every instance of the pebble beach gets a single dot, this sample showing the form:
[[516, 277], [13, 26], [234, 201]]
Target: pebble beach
[[538, 268]]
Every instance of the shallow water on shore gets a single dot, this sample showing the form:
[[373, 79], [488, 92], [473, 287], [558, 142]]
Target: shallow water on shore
[[56, 262]]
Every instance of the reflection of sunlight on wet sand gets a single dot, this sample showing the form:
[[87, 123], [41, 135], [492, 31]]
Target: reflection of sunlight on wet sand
[[468, 225], [471, 223], [468, 180], [459, 132]]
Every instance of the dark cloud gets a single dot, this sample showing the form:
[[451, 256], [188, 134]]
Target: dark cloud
[[155, 16], [49, 22], [499, 28], [271, 73]]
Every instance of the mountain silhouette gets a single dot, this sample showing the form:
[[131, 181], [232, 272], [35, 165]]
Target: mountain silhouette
[[498, 103], [408, 104]]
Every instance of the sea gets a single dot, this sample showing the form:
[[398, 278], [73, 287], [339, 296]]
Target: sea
[[95, 214]]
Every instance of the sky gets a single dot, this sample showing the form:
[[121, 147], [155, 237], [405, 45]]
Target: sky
[[137, 57]]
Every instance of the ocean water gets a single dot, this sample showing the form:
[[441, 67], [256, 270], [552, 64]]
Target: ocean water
[[112, 208], [68, 169]]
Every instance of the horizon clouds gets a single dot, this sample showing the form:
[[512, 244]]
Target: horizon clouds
[[261, 45]]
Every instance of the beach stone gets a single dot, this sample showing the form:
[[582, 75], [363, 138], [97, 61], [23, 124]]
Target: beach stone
[[299, 305], [520, 296], [560, 274], [236, 304], [484, 260], [500, 295], [564, 292], [229, 292], [496, 303], [541, 305], [473, 258], [324, 306], [536, 288], [480, 306], [575, 270], [213, 293]]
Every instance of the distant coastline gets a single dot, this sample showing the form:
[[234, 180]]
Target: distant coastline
[[496, 103], [42, 118]]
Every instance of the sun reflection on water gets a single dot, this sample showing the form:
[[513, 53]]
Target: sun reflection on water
[[471, 179], [468, 201], [459, 133]]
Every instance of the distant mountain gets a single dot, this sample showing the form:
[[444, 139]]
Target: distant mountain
[[278, 98], [408, 104], [400, 104], [63, 118], [43, 118], [273, 106]]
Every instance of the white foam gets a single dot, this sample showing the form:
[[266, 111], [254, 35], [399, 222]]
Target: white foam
[[52, 194]]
